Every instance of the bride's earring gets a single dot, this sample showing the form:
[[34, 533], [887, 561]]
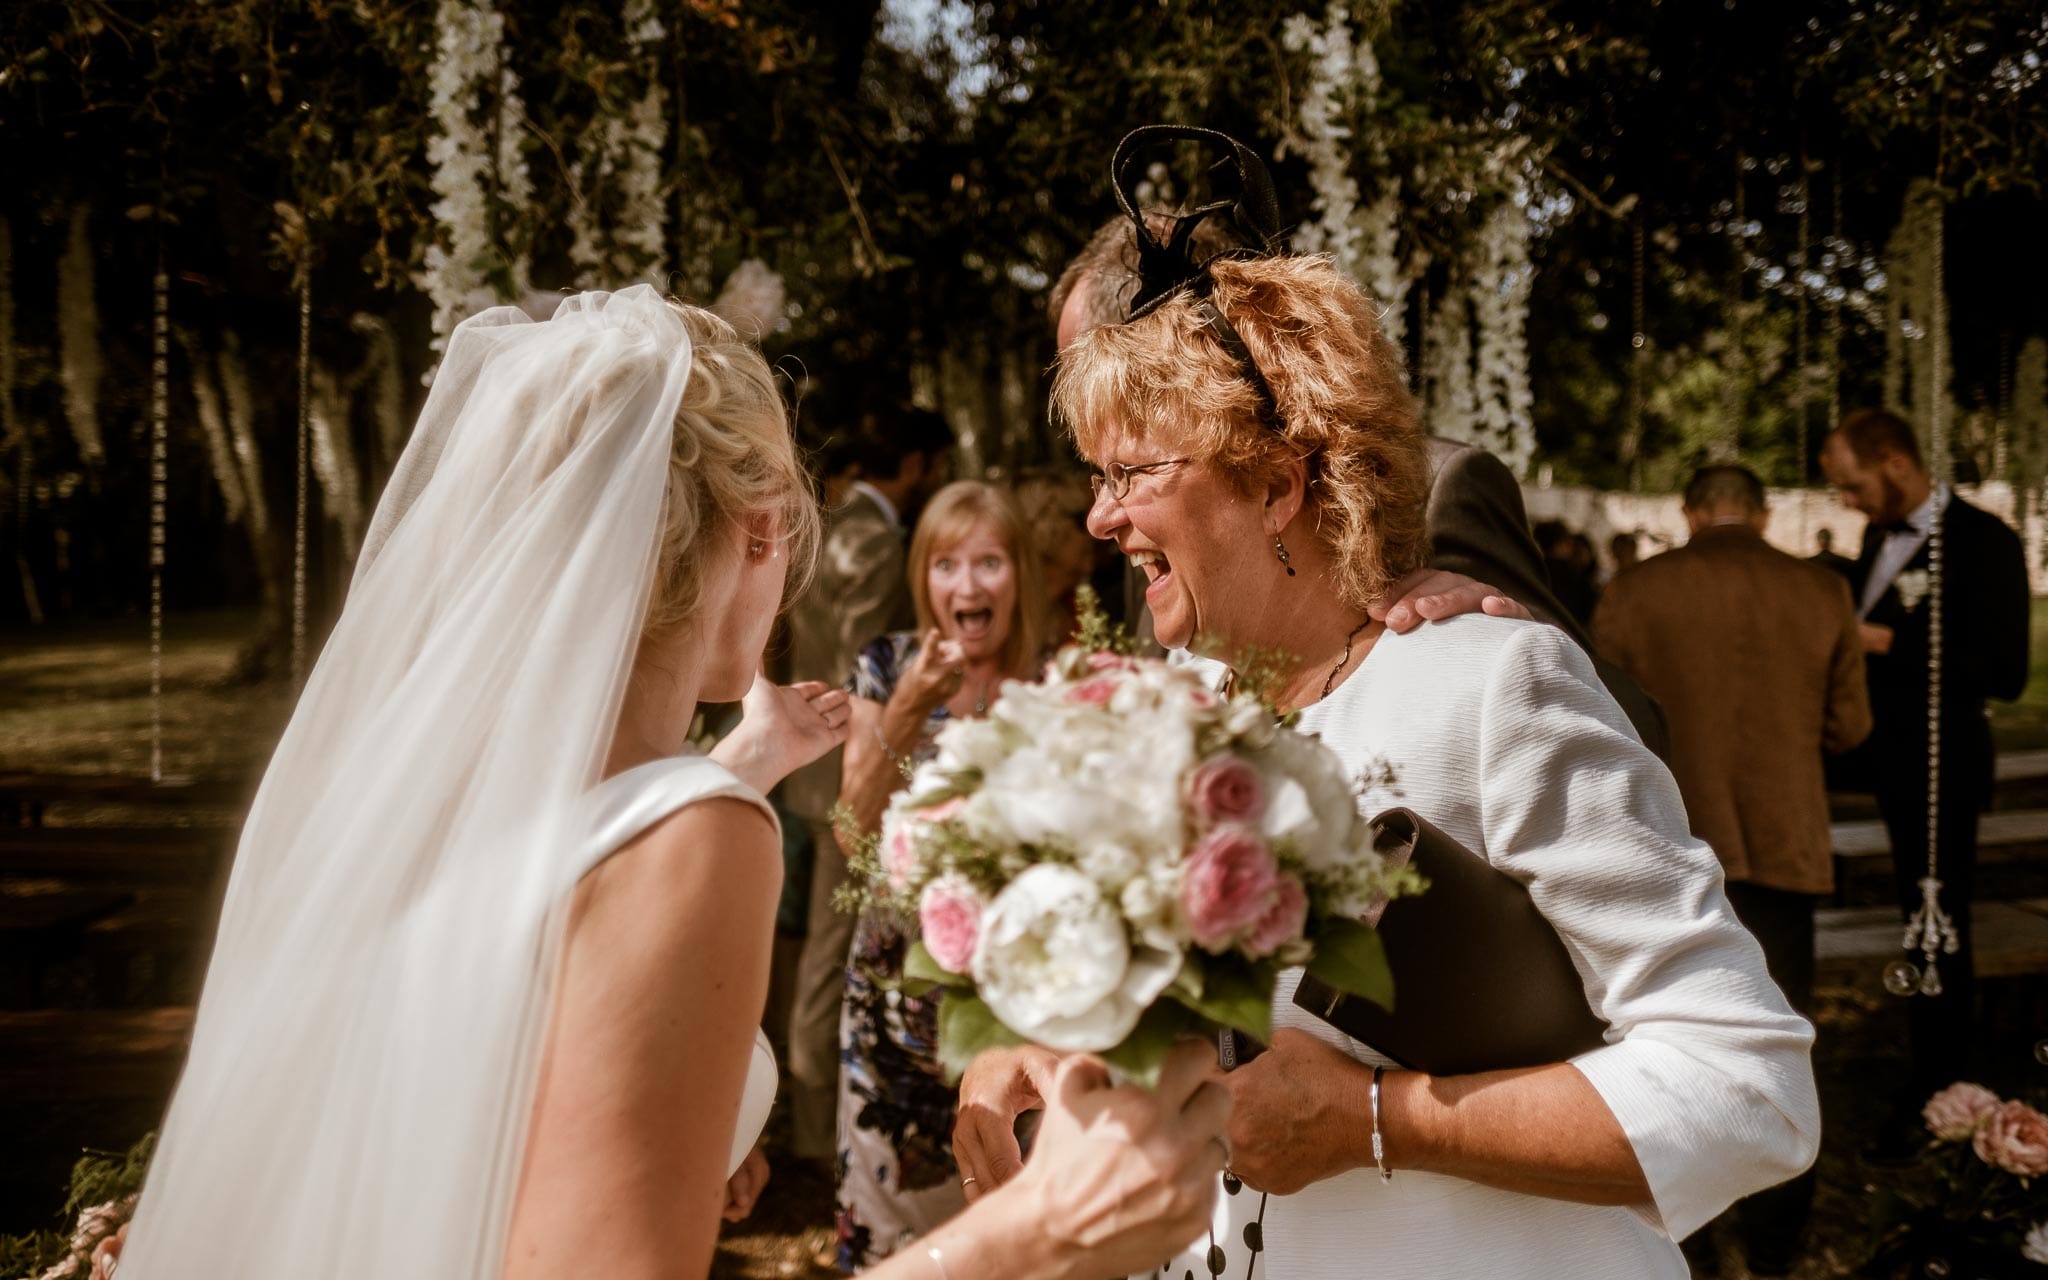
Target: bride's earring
[[757, 549], [1280, 550]]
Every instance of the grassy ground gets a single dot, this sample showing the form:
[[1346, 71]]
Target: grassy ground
[[77, 700]]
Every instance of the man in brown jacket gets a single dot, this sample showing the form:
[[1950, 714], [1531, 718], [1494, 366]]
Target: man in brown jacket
[[1756, 659]]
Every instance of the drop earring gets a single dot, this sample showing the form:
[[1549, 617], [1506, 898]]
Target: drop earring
[[1280, 550]]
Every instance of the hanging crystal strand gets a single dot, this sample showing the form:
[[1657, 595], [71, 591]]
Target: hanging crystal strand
[[1803, 382], [159, 494], [1930, 930], [1834, 298], [1638, 353], [305, 435]]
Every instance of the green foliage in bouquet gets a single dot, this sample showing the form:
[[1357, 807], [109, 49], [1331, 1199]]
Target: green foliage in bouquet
[[103, 1187]]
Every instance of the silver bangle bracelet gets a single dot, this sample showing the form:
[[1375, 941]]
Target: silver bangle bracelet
[[1379, 1149]]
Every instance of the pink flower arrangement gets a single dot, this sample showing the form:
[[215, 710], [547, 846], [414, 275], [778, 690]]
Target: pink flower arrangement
[[949, 916], [1093, 693], [1284, 921], [1228, 886], [1959, 1110], [2014, 1138], [1227, 789]]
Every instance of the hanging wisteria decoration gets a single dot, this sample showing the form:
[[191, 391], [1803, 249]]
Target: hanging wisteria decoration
[[334, 460], [1343, 87], [78, 336], [480, 171], [213, 428], [1448, 405], [1502, 278], [241, 414], [1917, 375], [621, 168], [387, 395]]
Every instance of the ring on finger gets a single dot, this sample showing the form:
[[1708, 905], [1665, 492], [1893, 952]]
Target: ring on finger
[[969, 1180]]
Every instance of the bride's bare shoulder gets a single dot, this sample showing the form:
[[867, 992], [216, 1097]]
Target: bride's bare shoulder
[[719, 853]]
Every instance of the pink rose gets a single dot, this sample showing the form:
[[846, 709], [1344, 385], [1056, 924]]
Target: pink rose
[[1226, 886], [1283, 921], [949, 917], [1111, 662], [2015, 1139], [1095, 692], [899, 856], [1956, 1112], [1226, 789]]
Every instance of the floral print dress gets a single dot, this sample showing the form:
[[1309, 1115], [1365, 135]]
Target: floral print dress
[[896, 1176]]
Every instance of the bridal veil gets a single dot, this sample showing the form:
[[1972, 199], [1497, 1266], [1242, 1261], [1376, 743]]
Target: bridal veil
[[364, 1059]]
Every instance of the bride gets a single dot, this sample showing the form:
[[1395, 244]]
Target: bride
[[485, 996]]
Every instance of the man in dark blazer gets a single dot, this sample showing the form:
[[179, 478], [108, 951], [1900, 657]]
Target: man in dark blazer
[[1873, 461]]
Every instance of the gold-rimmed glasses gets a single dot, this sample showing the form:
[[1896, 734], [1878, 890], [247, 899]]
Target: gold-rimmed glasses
[[1117, 476]]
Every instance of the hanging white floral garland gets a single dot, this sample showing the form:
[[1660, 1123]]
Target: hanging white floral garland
[[622, 154], [1449, 409], [213, 426], [1344, 86], [1502, 277], [476, 169], [78, 333], [1916, 373]]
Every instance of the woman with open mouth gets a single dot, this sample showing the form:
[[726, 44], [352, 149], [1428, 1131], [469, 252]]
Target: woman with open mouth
[[974, 582]]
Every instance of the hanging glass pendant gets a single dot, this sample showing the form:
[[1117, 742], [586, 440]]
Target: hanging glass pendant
[[1902, 977]]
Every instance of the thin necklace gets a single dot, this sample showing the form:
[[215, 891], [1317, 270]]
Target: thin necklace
[[1331, 679]]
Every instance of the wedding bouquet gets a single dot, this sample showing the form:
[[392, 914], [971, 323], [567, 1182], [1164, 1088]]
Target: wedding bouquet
[[1118, 856]]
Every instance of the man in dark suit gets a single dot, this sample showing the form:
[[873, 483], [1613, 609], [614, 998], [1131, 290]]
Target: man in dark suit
[[1873, 461]]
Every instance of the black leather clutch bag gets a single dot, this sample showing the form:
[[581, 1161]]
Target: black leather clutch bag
[[1482, 982]]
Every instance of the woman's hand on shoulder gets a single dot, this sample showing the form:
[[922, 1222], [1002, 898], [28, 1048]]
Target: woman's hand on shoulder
[[782, 728]]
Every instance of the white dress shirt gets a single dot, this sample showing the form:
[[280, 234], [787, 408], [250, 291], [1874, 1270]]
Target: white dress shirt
[[1899, 547]]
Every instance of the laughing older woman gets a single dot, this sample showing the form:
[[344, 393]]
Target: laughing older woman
[[1270, 484]]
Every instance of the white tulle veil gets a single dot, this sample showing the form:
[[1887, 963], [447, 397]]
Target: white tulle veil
[[358, 1090]]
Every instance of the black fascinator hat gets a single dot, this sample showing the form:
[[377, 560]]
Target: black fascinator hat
[[1244, 202]]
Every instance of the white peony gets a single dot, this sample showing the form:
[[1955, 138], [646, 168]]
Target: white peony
[[1054, 964]]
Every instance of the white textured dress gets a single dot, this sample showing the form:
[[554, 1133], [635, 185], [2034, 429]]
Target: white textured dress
[[1500, 733], [621, 809]]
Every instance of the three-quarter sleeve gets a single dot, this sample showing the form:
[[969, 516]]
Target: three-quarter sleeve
[[1707, 1069]]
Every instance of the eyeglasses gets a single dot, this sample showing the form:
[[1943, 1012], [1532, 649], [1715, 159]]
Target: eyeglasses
[[1116, 476]]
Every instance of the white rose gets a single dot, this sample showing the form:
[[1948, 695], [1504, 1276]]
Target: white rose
[[1053, 962], [1151, 902]]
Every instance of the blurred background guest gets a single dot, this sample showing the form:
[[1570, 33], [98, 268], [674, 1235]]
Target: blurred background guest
[[980, 620], [858, 593], [1756, 659]]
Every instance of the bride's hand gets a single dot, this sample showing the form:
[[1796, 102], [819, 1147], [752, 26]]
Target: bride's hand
[[744, 1187], [782, 728], [1125, 1175]]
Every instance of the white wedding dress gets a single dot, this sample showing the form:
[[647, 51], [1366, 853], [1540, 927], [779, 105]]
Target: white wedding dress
[[367, 1047], [622, 808]]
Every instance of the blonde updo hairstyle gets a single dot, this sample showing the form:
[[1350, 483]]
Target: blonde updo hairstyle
[[733, 457], [1345, 410], [956, 511]]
